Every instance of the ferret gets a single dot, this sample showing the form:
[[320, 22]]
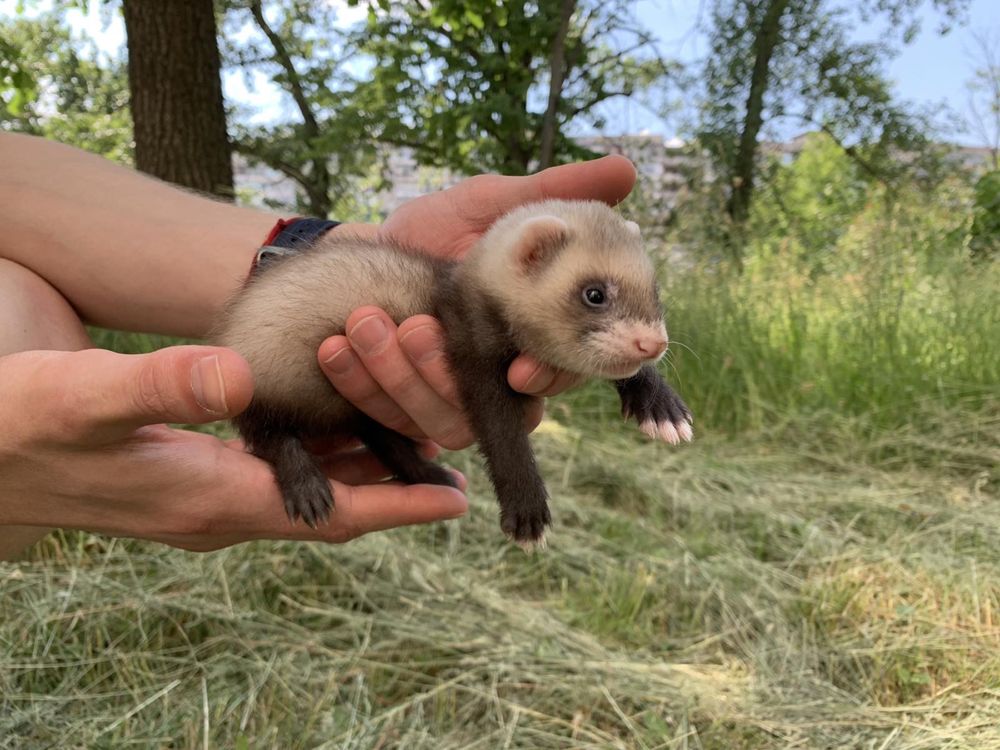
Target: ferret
[[565, 281]]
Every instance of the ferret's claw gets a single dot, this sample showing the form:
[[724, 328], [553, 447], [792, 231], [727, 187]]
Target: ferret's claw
[[649, 429], [525, 525], [669, 433], [685, 431], [530, 546]]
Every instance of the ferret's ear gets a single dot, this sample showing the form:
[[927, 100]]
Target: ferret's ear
[[538, 241], [633, 228]]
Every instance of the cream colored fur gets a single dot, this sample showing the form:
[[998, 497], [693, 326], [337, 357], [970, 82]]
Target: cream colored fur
[[278, 323], [544, 307]]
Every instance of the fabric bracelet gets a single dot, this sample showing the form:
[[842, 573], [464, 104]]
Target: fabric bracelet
[[290, 236]]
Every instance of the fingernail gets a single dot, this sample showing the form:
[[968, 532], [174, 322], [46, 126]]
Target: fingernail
[[208, 386], [369, 335], [341, 362], [422, 344]]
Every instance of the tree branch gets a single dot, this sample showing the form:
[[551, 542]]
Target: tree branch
[[285, 61]]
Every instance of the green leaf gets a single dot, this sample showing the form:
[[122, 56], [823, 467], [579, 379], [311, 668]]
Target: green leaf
[[474, 18]]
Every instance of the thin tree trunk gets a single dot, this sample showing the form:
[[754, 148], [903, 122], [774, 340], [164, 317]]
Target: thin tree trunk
[[175, 82], [766, 40], [557, 73]]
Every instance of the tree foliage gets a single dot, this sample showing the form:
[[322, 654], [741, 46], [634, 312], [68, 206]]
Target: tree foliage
[[984, 235], [317, 142], [67, 90], [779, 60], [469, 85], [984, 91]]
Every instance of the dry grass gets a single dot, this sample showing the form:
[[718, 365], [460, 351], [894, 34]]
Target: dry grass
[[725, 595]]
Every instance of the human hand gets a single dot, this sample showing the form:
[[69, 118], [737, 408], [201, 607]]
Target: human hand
[[399, 376], [85, 446]]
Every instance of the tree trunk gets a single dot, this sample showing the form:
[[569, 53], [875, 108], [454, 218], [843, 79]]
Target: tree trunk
[[174, 77], [767, 38], [557, 72]]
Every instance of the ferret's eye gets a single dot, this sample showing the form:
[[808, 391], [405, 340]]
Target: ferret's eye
[[594, 296]]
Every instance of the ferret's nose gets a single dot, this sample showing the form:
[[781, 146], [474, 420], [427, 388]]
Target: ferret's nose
[[651, 347]]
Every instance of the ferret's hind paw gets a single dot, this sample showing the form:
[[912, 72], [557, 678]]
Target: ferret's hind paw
[[311, 503], [526, 526]]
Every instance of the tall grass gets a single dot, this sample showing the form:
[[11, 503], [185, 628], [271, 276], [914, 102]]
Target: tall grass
[[884, 338], [852, 305]]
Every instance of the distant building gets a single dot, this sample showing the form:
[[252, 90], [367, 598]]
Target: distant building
[[410, 180], [975, 159]]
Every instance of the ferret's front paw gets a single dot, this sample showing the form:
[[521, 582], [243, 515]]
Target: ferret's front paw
[[525, 525], [664, 416]]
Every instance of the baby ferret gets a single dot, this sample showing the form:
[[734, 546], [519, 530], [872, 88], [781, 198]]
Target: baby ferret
[[565, 281]]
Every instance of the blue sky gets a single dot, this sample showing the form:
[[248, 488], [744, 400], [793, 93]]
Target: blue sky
[[931, 71]]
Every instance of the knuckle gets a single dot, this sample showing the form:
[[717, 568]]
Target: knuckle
[[150, 390]]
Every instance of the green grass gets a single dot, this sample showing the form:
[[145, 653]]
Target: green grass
[[820, 569]]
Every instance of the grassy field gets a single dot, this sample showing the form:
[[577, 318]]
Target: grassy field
[[730, 594], [820, 569]]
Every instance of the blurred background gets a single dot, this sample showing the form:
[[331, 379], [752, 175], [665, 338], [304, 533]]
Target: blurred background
[[819, 182]]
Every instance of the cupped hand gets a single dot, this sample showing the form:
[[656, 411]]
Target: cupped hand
[[398, 375], [85, 446]]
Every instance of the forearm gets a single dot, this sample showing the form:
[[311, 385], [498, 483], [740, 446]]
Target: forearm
[[127, 251]]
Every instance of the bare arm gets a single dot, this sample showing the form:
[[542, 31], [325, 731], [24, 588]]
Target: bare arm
[[127, 251]]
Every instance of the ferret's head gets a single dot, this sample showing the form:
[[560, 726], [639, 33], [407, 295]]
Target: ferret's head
[[573, 280]]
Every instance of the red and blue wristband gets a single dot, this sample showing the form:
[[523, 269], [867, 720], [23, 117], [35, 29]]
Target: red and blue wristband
[[290, 236]]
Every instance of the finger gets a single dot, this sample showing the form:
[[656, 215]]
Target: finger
[[608, 179], [248, 505], [103, 395], [422, 340], [533, 414], [563, 381], [528, 375], [362, 467], [357, 467], [483, 199], [347, 373], [374, 337], [360, 510]]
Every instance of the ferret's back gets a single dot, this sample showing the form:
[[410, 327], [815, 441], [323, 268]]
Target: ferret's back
[[278, 322]]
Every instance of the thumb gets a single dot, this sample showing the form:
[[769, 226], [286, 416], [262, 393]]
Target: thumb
[[118, 393]]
